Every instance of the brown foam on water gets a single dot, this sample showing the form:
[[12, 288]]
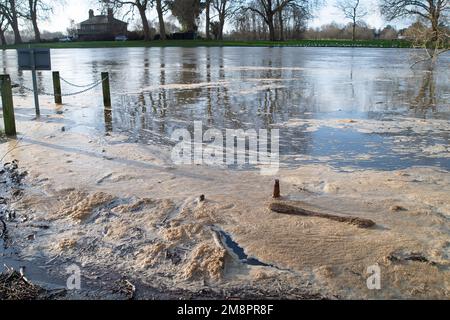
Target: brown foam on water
[[84, 207], [151, 223], [206, 260]]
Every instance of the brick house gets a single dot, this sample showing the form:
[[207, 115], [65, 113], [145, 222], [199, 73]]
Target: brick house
[[101, 27]]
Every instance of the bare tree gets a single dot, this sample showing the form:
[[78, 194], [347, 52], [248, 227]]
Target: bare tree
[[434, 14], [34, 10], [72, 30], [267, 9], [354, 10], [9, 9], [141, 6], [250, 25], [225, 9]]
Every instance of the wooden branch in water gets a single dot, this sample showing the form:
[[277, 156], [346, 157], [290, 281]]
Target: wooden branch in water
[[294, 210]]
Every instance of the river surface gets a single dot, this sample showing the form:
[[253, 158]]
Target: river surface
[[347, 107]]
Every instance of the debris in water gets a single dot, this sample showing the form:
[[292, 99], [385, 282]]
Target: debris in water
[[397, 208], [413, 256], [104, 178], [295, 210], [127, 288]]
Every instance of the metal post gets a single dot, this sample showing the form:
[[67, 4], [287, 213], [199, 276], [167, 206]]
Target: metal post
[[57, 87], [106, 90], [7, 105], [35, 87]]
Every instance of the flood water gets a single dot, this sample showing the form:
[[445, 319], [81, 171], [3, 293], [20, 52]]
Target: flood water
[[374, 92]]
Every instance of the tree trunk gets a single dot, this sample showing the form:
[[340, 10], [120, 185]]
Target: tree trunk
[[271, 26], [14, 22], [221, 26], [162, 26], [354, 24], [3, 38], [254, 26], [17, 37], [281, 22], [354, 31], [144, 23], [37, 33], [208, 19], [435, 27], [33, 15]]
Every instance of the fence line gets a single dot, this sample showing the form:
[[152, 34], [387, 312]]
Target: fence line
[[64, 94], [7, 96]]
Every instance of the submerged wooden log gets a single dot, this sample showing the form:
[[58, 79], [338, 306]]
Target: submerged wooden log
[[295, 210]]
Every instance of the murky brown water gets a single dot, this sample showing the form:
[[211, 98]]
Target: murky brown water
[[156, 90]]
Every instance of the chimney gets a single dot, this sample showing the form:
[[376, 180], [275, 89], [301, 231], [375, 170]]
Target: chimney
[[91, 14], [110, 13]]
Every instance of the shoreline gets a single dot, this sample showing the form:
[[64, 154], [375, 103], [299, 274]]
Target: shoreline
[[213, 43]]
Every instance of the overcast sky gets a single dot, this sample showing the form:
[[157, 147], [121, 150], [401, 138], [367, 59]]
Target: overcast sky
[[78, 10]]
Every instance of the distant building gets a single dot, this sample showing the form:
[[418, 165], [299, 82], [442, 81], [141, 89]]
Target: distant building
[[102, 27]]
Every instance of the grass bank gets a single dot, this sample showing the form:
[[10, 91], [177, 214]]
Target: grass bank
[[213, 43]]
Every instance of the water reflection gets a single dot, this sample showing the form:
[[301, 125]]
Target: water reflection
[[426, 98], [157, 90], [108, 119]]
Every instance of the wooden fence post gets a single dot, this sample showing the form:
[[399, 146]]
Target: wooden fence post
[[106, 90], [7, 105], [276, 190], [57, 87]]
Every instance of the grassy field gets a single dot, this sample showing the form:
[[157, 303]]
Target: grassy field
[[212, 43]]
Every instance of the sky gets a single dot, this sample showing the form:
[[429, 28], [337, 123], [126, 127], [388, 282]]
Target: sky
[[327, 13]]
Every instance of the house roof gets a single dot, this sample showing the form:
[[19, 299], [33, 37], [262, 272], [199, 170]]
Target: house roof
[[102, 19]]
